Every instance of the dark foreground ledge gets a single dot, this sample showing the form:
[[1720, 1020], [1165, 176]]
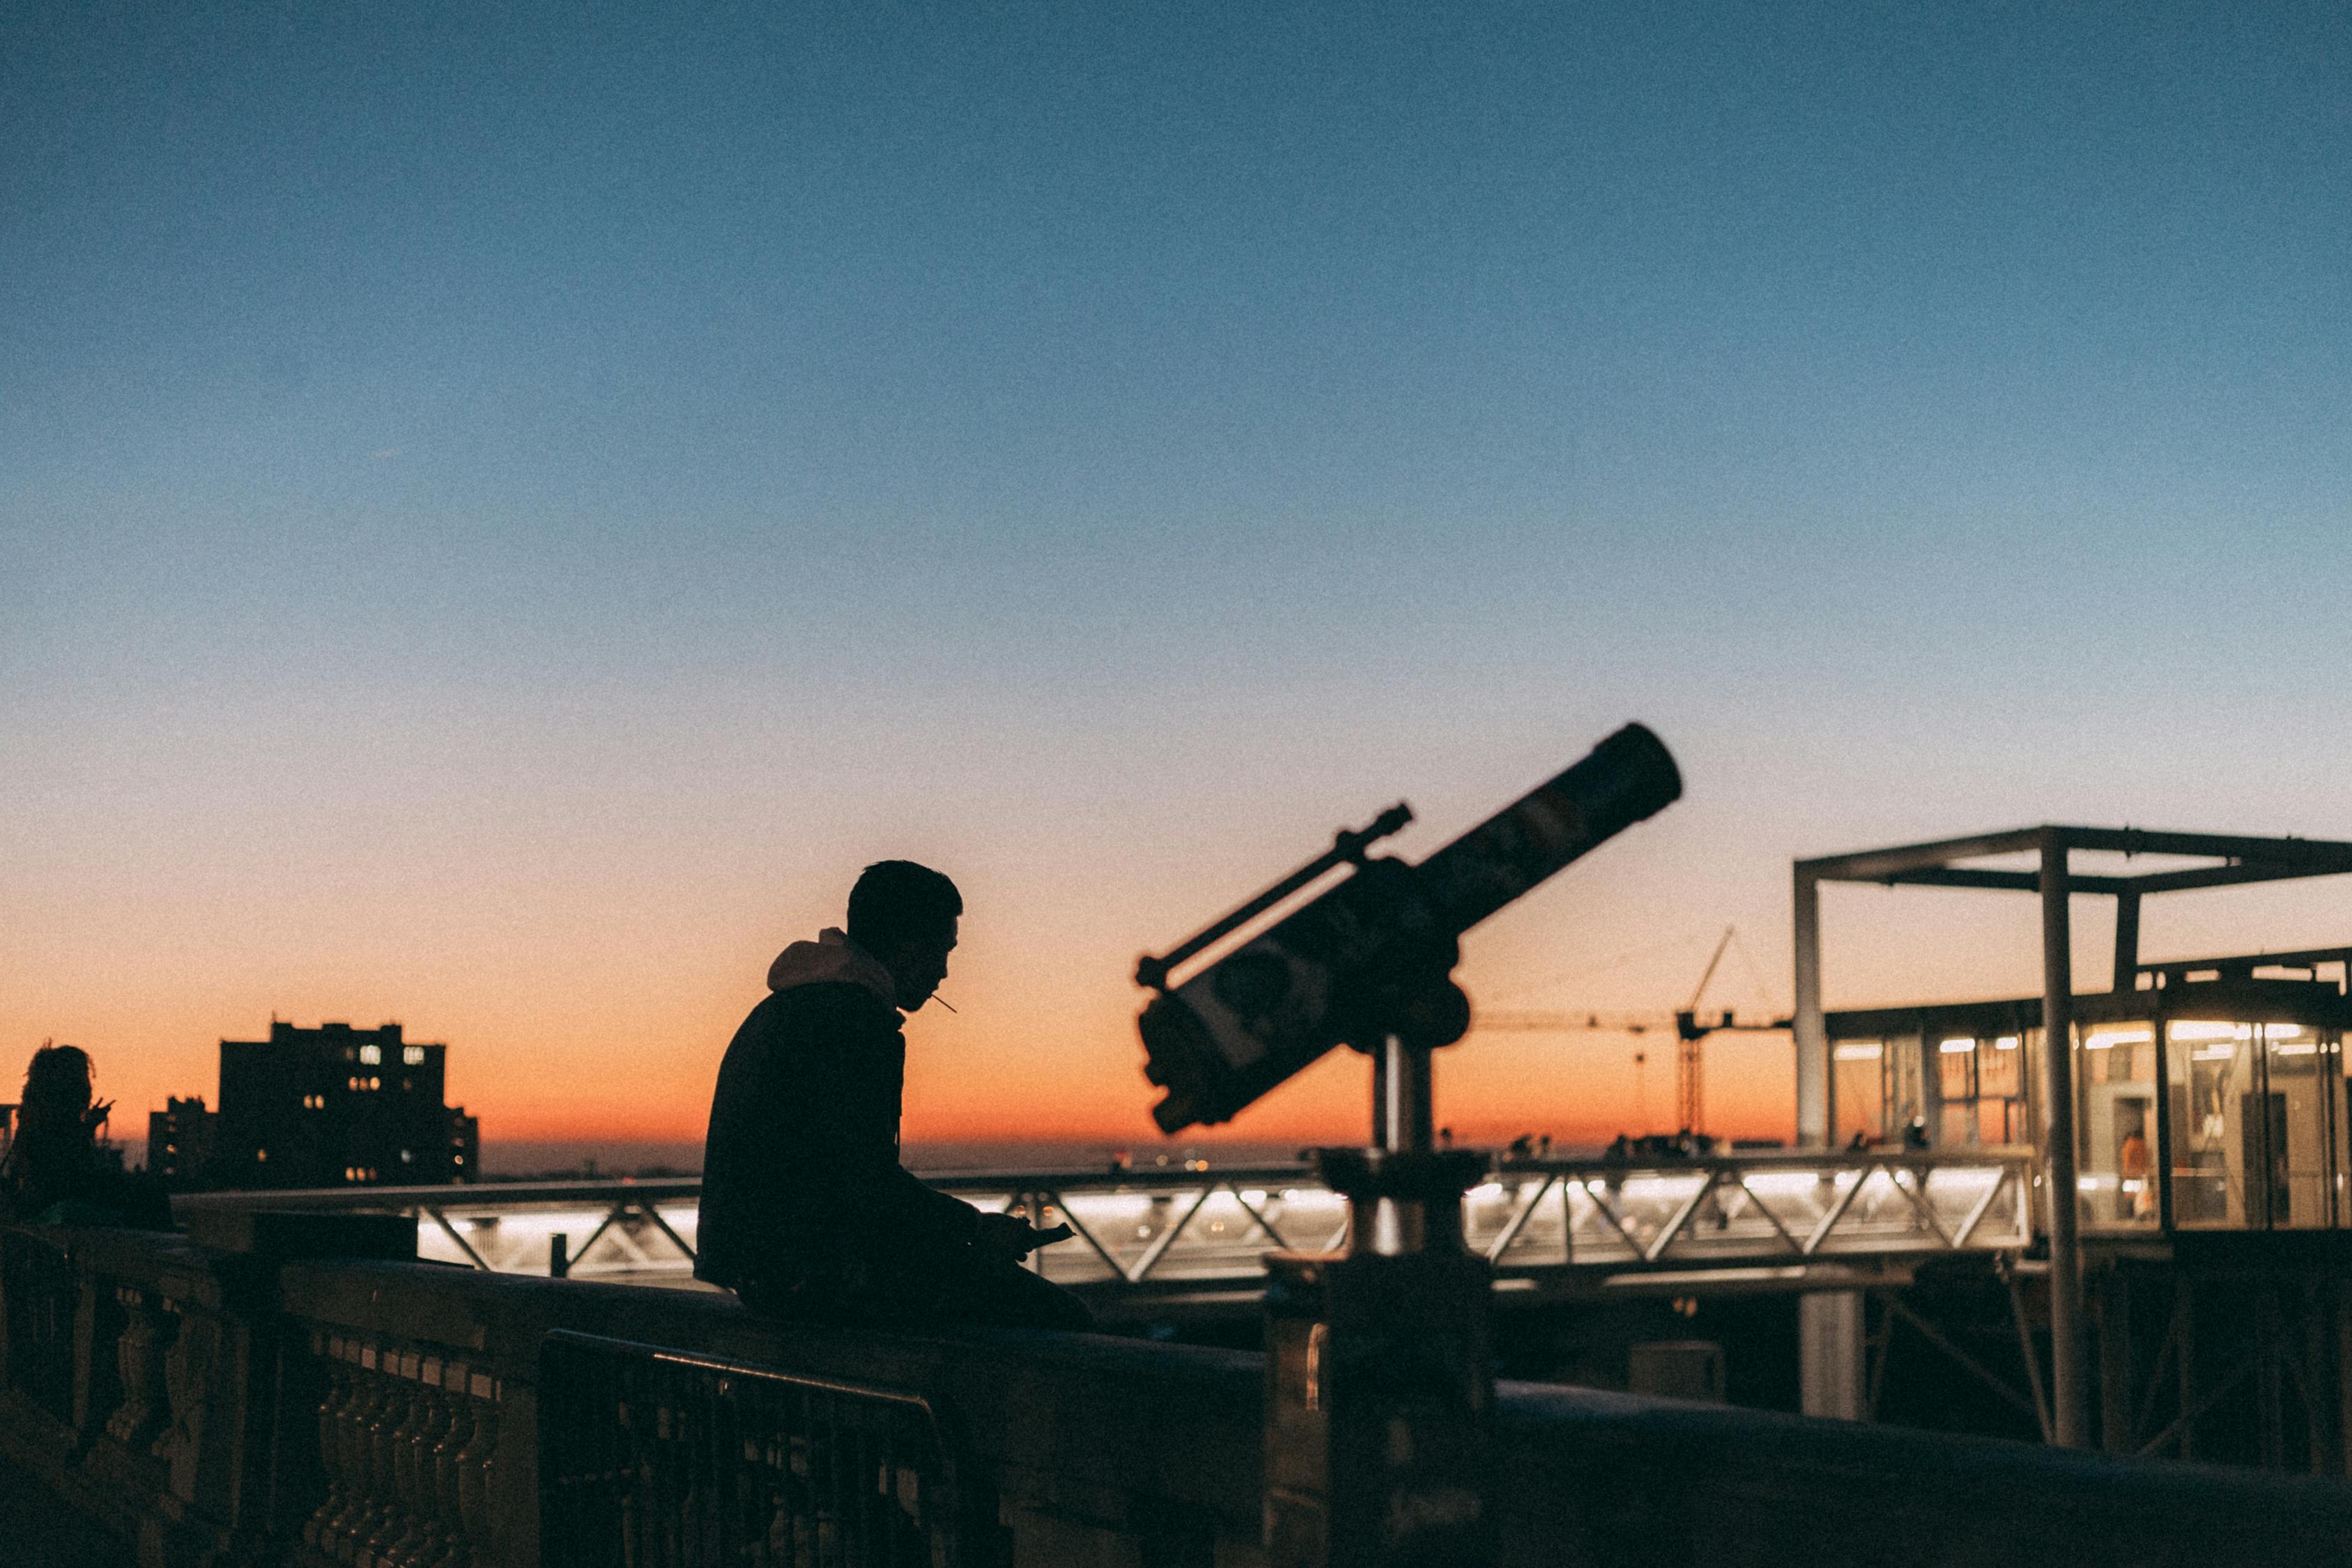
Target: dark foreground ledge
[[172, 1393]]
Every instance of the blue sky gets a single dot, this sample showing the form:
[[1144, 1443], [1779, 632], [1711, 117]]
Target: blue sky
[[462, 457]]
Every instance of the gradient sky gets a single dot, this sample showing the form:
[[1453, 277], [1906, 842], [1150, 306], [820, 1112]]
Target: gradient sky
[[501, 514]]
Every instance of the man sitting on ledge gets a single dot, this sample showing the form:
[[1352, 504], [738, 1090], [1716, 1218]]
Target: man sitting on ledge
[[806, 1212]]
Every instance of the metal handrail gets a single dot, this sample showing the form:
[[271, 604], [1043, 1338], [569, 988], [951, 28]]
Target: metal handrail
[[1850, 1223], [621, 1421]]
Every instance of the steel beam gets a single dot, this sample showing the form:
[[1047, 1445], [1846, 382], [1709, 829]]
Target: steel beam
[[1879, 865], [2069, 1386], [437, 1217], [2231, 876], [1816, 1085], [2127, 965], [2244, 860], [1510, 1231], [663, 1225], [2315, 856]]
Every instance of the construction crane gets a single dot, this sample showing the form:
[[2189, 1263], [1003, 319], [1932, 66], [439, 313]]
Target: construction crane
[[1690, 1035]]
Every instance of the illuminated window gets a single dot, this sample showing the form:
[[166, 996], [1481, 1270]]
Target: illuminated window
[[413, 1055], [370, 1055], [375, 1083], [261, 1153], [405, 1156]]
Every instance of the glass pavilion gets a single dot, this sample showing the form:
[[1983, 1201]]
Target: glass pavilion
[[2203, 1099]]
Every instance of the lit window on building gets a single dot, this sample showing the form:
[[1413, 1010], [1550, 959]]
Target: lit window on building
[[261, 1153], [370, 1055], [413, 1055]]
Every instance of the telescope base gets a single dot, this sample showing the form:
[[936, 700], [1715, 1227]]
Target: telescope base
[[1379, 1410]]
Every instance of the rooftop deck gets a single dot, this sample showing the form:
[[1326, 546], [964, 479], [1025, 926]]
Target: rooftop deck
[[274, 1406]]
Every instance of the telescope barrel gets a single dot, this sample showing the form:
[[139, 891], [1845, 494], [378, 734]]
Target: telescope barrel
[[1249, 1021], [1627, 777]]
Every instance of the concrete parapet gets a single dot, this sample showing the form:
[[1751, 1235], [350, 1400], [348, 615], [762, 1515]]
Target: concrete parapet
[[225, 1407]]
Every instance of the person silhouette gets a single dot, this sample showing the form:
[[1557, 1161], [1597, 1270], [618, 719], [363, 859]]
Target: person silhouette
[[806, 1211], [54, 1173]]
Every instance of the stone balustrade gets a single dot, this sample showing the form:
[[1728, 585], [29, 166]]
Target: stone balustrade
[[264, 1403]]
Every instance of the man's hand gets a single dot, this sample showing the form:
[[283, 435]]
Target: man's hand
[[1003, 1236]]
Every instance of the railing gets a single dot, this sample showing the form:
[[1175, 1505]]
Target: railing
[[662, 1455], [38, 1280], [401, 1416], [406, 1442], [1163, 1236], [115, 1345]]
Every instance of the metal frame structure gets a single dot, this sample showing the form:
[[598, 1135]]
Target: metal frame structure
[[1549, 1226], [2231, 860]]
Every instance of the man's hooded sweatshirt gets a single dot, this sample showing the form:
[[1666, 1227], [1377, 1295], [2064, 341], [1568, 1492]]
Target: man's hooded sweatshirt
[[801, 1179]]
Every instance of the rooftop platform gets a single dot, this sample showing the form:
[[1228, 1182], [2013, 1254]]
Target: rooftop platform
[[274, 1406]]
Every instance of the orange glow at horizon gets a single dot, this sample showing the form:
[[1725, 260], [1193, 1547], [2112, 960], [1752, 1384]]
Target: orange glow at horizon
[[587, 986]]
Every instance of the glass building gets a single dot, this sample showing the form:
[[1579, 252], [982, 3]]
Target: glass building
[[2216, 1103]]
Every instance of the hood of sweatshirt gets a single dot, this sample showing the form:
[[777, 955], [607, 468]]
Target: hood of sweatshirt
[[831, 960]]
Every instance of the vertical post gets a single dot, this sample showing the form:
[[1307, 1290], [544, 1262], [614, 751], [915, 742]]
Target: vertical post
[[1830, 1361], [2127, 942], [559, 1256], [2117, 1364], [1401, 1115], [2068, 1385], [1380, 1385], [1816, 1087], [2184, 1360], [2270, 1380]]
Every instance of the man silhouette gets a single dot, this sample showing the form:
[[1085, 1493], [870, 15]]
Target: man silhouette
[[806, 1212]]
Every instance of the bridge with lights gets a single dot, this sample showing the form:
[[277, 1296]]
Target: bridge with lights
[[1181, 1242]]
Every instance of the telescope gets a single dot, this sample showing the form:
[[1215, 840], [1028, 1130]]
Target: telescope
[[1368, 963]]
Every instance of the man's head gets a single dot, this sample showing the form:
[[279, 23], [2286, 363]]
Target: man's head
[[905, 915]]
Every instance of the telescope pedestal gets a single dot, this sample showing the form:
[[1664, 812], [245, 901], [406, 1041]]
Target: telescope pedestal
[[1380, 1376]]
